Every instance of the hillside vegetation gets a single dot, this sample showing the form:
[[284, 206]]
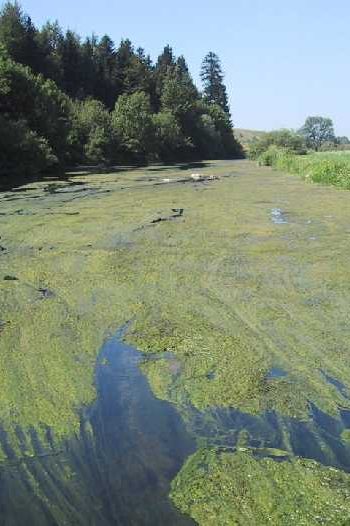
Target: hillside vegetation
[[245, 136], [67, 101]]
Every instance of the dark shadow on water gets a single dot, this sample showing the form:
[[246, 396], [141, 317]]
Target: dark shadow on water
[[118, 468], [317, 438], [15, 184], [340, 387], [116, 471], [193, 166]]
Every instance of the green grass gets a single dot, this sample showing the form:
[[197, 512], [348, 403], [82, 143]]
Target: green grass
[[330, 168]]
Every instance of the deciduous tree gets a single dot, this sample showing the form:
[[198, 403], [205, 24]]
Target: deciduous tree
[[318, 130], [134, 126]]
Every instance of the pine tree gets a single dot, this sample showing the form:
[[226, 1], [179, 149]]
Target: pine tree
[[166, 61], [18, 35], [213, 82], [179, 93], [50, 40], [71, 64], [107, 85], [88, 65], [182, 65]]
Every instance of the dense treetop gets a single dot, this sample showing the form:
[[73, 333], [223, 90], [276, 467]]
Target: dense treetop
[[66, 100], [318, 130]]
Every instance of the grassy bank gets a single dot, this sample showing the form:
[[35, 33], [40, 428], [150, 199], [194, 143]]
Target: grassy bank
[[331, 168]]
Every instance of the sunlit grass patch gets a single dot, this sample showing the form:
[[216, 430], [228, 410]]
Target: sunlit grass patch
[[330, 168]]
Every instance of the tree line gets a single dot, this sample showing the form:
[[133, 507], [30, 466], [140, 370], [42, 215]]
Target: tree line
[[65, 100], [317, 134]]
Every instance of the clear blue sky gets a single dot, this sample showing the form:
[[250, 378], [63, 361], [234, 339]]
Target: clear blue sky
[[283, 59]]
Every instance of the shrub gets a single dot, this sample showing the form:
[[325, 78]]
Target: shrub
[[23, 153], [92, 138], [272, 155], [286, 139]]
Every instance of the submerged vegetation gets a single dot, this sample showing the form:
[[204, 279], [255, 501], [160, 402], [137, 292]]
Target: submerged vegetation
[[252, 309], [220, 488]]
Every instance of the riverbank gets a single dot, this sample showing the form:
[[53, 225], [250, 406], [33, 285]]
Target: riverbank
[[329, 168]]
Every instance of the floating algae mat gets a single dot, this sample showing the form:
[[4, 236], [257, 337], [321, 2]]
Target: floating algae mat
[[244, 320], [221, 488]]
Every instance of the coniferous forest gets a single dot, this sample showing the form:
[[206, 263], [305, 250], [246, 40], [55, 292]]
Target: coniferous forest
[[65, 101]]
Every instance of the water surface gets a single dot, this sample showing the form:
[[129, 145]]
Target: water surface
[[117, 471]]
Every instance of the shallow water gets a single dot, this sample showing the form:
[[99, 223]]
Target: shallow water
[[340, 387], [117, 471], [222, 273], [318, 438], [278, 216], [276, 372]]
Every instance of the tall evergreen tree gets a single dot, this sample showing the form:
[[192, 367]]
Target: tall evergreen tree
[[179, 92], [141, 55], [71, 64], [18, 35], [124, 54], [106, 81], [88, 66], [50, 41], [213, 82], [166, 61], [182, 65]]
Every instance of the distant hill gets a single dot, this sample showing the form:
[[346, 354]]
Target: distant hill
[[246, 136]]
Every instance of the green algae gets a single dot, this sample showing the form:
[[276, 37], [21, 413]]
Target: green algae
[[345, 436], [218, 488], [227, 291]]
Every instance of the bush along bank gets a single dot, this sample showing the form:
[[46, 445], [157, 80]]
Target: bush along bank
[[331, 169]]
